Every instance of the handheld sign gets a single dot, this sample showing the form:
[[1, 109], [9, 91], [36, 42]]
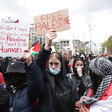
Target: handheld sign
[[58, 20], [14, 38]]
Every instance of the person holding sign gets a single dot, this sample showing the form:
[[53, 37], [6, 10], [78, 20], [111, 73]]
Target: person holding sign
[[60, 92], [24, 83]]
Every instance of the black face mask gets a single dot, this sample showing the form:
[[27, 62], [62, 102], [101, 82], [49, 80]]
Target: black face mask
[[16, 79]]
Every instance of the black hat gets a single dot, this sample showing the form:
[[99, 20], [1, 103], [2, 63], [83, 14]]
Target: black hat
[[14, 58], [15, 67]]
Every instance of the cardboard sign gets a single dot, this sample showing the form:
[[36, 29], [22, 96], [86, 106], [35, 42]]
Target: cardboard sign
[[57, 20], [14, 39]]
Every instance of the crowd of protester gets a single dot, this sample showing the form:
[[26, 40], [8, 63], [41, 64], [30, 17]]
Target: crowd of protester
[[56, 82]]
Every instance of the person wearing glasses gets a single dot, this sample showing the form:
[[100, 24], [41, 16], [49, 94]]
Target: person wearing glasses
[[60, 92]]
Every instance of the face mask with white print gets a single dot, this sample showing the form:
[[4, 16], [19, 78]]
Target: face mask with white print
[[56, 71]]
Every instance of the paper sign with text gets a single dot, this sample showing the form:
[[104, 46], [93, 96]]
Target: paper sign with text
[[14, 39], [58, 20]]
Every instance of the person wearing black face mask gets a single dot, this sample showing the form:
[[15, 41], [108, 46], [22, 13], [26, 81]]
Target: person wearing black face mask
[[24, 82], [16, 80]]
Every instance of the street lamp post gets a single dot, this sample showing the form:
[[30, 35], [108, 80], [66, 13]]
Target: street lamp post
[[90, 28]]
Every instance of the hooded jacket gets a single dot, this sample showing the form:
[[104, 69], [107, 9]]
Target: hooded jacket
[[83, 82], [60, 92]]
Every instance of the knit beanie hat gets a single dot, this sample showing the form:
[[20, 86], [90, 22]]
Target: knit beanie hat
[[101, 67]]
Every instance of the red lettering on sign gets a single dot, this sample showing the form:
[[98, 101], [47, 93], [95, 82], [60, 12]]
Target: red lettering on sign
[[48, 27], [54, 24], [49, 16], [59, 14], [10, 28], [67, 20], [9, 38], [42, 17], [54, 16], [43, 26], [37, 25], [12, 50]]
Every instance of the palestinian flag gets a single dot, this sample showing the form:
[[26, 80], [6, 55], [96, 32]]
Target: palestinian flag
[[17, 21], [35, 48]]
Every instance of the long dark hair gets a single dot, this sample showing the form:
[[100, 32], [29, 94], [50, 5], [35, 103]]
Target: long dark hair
[[74, 69], [78, 59], [96, 80]]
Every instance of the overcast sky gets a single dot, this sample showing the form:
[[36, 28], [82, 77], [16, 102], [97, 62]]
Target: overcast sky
[[97, 13]]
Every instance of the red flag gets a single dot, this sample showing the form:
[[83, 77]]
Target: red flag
[[60, 51], [17, 21], [70, 65], [37, 47]]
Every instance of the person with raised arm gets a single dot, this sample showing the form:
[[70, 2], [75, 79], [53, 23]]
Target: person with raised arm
[[24, 83], [60, 92]]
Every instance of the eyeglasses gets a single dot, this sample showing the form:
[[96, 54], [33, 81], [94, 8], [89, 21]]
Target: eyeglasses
[[56, 64]]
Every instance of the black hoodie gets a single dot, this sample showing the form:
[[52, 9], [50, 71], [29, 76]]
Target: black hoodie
[[83, 82], [60, 92]]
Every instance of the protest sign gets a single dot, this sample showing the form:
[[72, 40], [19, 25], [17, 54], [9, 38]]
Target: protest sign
[[14, 39], [58, 20]]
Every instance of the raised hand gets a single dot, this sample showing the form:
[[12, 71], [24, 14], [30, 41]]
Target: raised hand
[[27, 57], [51, 34], [79, 71]]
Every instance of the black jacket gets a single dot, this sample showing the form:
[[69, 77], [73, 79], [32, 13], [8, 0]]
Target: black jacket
[[68, 68], [23, 99], [4, 99], [60, 92], [83, 82]]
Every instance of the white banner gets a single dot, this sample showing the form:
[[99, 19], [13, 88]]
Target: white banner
[[14, 39]]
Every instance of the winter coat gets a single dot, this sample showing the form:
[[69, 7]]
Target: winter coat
[[4, 99], [60, 92], [83, 82], [68, 68], [22, 100]]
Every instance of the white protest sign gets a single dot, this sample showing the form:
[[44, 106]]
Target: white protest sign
[[14, 39], [58, 20]]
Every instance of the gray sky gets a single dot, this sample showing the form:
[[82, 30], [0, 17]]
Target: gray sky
[[97, 13]]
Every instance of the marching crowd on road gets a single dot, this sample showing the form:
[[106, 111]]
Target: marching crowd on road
[[56, 82]]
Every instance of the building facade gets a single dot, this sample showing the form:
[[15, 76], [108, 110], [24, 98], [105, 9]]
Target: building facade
[[33, 38], [61, 44]]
